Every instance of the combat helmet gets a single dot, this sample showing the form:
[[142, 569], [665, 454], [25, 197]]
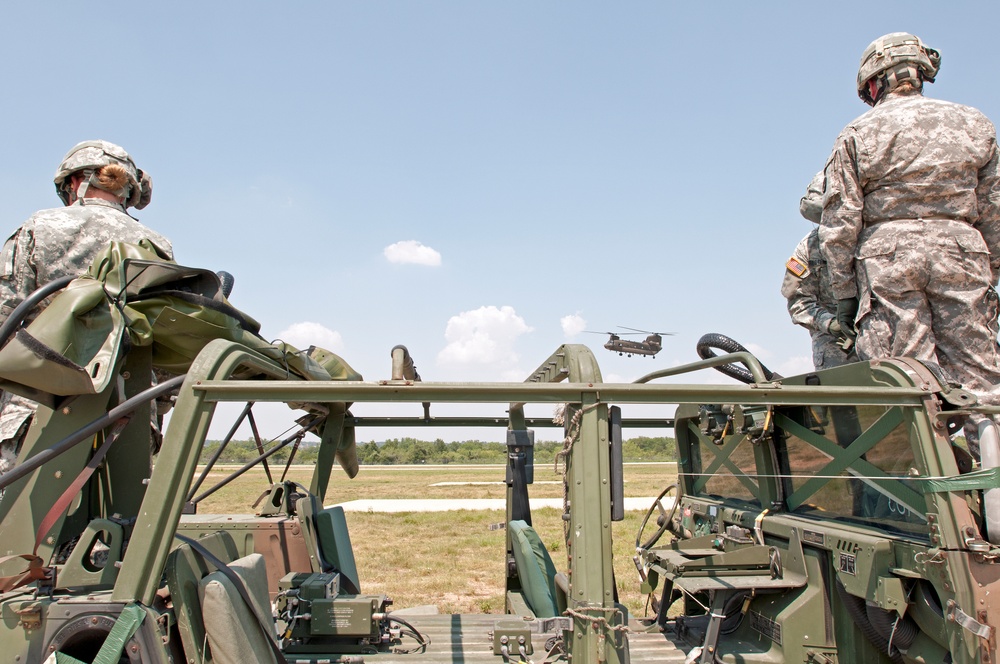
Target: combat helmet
[[89, 156], [892, 59]]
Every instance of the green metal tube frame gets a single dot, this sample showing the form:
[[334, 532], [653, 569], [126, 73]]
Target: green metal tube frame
[[570, 376]]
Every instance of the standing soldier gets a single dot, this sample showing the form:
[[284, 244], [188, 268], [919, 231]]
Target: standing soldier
[[911, 220], [806, 286], [97, 181]]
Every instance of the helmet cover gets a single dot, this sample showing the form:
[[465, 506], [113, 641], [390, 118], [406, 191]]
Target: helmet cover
[[897, 56], [92, 155]]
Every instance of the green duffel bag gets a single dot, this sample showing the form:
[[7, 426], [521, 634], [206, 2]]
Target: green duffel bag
[[131, 296]]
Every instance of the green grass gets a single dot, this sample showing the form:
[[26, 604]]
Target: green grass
[[450, 559]]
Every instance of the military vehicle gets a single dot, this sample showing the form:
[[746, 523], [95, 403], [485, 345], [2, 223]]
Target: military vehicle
[[650, 346], [828, 517]]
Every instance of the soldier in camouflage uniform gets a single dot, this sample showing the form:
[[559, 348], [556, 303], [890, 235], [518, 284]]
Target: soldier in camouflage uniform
[[97, 181], [806, 286], [911, 220]]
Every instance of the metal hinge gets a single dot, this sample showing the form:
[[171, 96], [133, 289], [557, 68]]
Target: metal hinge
[[545, 625]]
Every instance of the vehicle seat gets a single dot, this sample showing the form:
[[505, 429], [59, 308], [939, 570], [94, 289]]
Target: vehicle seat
[[543, 593], [233, 628], [328, 541], [190, 578]]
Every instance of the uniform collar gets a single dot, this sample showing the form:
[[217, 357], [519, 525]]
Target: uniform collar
[[898, 95], [89, 202]]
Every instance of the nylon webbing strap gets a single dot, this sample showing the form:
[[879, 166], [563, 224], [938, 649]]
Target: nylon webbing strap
[[520, 509], [240, 588], [36, 570], [61, 505], [126, 625], [986, 478]]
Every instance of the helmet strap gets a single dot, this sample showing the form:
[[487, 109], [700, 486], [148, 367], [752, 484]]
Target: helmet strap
[[88, 176], [66, 194]]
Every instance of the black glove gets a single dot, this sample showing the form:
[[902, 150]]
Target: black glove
[[847, 311]]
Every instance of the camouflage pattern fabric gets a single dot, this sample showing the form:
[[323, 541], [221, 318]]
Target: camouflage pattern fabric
[[926, 293], [15, 412], [811, 303], [811, 205], [50, 245], [911, 222], [909, 158], [62, 242]]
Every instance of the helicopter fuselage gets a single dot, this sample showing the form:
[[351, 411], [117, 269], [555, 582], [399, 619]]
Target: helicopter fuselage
[[650, 346]]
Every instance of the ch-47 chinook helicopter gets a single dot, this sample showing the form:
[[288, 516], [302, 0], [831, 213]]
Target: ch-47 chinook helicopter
[[649, 346], [828, 518]]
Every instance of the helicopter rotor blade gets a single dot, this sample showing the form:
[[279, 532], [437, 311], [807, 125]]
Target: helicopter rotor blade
[[637, 331]]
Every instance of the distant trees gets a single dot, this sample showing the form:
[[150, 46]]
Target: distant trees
[[413, 451]]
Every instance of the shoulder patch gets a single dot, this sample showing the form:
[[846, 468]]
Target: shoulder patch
[[796, 267]]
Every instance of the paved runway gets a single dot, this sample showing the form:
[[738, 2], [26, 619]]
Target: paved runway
[[446, 505]]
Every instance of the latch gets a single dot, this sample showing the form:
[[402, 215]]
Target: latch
[[969, 623], [29, 616]]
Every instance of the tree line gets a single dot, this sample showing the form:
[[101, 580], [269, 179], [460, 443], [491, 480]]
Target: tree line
[[413, 451]]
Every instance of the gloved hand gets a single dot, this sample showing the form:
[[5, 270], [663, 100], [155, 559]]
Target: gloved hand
[[835, 329], [847, 311]]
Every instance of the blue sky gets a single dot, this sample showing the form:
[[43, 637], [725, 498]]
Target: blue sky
[[474, 180]]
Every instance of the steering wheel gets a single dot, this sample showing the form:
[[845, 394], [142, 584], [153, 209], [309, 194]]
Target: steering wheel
[[664, 519]]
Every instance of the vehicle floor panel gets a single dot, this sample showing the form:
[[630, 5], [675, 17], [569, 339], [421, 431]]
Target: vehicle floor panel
[[468, 638]]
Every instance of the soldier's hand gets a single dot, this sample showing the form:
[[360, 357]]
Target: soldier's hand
[[846, 343], [847, 311], [843, 341]]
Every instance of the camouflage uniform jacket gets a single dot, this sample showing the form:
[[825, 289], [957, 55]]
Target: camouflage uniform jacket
[[50, 245], [909, 158], [811, 304], [62, 242]]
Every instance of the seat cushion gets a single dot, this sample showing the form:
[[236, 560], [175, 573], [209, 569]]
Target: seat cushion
[[234, 633], [535, 569]]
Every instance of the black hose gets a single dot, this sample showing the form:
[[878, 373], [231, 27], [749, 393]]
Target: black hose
[[227, 281], [857, 609], [900, 632], [722, 342], [22, 310], [74, 439], [733, 612]]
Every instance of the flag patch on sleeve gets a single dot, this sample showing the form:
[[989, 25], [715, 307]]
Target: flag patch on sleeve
[[796, 267]]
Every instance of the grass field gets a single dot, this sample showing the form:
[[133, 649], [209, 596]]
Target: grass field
[[450, 559]]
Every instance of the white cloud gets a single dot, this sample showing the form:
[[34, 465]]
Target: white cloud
[[484, 336], [572, 325], [305, 334], [412, 252], [795, 366], [758, 351]]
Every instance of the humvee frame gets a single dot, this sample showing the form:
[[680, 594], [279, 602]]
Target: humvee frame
[[823, 517]]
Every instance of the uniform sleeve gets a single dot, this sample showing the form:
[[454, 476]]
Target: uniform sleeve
[[843, 205], [802, 293], [19, 278], [811, 205], [988, 203]]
